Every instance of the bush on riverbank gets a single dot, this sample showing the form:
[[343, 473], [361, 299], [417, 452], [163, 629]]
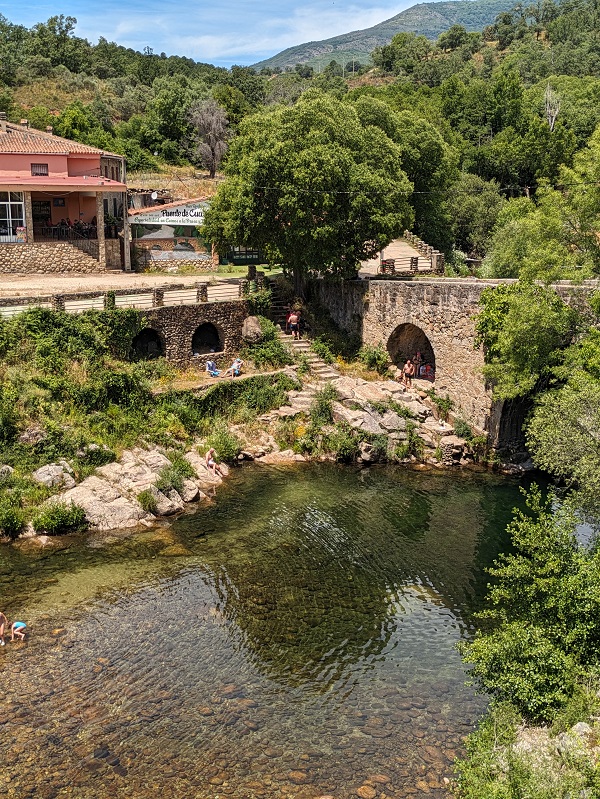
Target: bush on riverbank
[[506, 761], [58, 518], [271, 351], [539, 660]]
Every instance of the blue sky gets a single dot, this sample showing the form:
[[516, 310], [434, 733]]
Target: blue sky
[[221, 32]]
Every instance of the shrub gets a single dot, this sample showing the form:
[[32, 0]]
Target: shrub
[[375, 358], [462, 429], [12, 519], [519, 663], [226, 444], [443, 404], [148, 501], [303, 364], [414, 442], [259, 302], [58, 518], [169, 479], [342, 442], [321, 348], [321, 411], [271, 351], [185, 469]]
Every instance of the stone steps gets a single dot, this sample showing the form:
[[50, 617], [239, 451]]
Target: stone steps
[[323, 371]]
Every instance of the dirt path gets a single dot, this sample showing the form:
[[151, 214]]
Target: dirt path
[[39, 284]]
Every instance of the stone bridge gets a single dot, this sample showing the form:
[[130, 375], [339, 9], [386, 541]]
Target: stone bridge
[[436, 317], [189, 334]]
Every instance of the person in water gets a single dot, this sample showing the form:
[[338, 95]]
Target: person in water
[[18, 629]]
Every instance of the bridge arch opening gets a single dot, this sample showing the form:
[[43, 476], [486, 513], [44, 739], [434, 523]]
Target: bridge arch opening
[[147, 345], [406, 341], [206, 339]]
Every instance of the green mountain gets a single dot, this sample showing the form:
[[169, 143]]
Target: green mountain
[[428, 19]]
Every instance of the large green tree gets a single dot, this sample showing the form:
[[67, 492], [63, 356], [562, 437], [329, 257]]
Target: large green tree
[[313, 186]]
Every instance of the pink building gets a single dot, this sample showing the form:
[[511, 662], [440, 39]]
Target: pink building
[[63, 204]]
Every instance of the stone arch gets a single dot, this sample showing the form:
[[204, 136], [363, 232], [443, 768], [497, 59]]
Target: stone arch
[[148, 344], [406, 340], [206, 338]]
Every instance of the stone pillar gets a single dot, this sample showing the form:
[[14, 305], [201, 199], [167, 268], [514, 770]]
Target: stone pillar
[[202, 292], [126, 237], [437, 261], [28, 216], [243, 287], [158, 297], [260, 280], [251, 272], [100, 228], [57, 301]]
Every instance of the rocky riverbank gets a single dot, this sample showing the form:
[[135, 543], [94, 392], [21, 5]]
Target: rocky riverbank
[[384, 417]]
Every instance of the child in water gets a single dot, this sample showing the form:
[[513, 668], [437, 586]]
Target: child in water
[[17, 628]]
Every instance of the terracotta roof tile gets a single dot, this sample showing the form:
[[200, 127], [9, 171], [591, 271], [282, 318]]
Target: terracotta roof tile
[[19, 139]]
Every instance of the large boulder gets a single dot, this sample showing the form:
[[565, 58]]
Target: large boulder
[[55, 475], [251, 330], [104, 506]]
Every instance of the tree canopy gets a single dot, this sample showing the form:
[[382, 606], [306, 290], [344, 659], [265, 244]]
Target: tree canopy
[[312, 185]]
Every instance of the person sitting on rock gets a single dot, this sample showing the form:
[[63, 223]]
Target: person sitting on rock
[[235, 370], [211, 368], [211, 463]]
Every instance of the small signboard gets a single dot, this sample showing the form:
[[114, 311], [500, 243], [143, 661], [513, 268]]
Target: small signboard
[[21, 235], [184, 215]]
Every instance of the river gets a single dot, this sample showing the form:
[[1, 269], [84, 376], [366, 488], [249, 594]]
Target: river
[[294, 638]]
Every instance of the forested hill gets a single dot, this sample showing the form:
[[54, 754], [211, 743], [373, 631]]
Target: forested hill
[[427, 19]]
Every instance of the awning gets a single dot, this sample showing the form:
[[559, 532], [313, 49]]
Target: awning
[[95, 185]]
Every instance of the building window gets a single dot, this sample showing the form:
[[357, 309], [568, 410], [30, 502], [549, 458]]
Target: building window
[[39, 169], [12, 216]]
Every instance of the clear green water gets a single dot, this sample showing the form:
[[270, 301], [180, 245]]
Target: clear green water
[[295, 638]]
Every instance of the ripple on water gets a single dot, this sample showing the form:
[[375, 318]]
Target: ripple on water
[[304, 648]]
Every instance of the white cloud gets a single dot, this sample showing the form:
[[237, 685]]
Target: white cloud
[[223, 32]]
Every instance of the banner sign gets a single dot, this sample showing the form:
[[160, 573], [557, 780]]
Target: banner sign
[[186, 214]]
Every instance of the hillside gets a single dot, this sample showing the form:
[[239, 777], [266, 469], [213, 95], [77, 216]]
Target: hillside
[[428, 19]]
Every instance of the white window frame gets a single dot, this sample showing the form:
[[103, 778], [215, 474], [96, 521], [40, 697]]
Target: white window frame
[[12, 217]]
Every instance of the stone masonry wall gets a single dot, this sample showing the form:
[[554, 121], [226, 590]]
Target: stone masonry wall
[[176, 326], [113, 254], [50, 257], [443, 310]]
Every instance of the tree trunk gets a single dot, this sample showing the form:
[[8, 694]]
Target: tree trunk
[[298, 281]]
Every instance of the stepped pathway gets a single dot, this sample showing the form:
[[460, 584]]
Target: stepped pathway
[[318, 368], [300, 401]]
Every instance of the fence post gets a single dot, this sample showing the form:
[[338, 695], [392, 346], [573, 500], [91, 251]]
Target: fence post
[[260, 280], [202, 292], [57, 302], [251, 272], [243, 287], [158, 297]]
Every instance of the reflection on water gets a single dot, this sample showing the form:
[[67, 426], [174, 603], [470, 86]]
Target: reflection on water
[[294, 639]]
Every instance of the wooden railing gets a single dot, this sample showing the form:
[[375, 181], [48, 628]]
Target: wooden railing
[[142, 299]]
